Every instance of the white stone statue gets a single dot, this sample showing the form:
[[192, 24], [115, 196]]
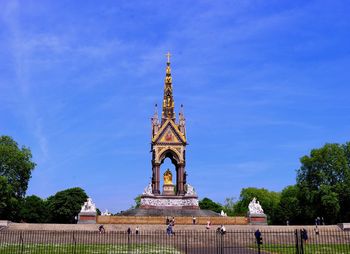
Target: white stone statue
[[148, 190], [223, 213], [106, 213], [190, 190], [255, 207], [88, 207]]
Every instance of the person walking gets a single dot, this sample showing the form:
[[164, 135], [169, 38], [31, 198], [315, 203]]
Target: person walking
[[101, 229], [208, 225], [223, 230]]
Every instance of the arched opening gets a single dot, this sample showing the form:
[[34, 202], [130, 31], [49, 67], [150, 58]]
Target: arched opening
[[167, 164], [169, 160], [177, 169]]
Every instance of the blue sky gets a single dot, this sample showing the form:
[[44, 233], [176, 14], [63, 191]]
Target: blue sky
[[262, 83]]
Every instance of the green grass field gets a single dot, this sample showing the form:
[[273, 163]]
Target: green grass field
[[156, 249], [308, 249], [85, 248]]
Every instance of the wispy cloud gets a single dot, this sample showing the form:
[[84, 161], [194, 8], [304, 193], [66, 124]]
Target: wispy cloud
[[19, 51]]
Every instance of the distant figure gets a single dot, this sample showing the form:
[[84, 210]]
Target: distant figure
[[194, 219], [129, 231], [169, 230], [137, 230], [317, 232], [304, 235], [208, 224], [221, 230], [101, 229], [318, 221], [258, 237], [287, 222]]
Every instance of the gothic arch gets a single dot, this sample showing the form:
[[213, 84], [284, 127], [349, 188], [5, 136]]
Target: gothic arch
[[170, 153]]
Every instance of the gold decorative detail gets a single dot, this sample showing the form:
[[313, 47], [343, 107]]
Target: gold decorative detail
[[168, 177], [168, 79], [168, 71]]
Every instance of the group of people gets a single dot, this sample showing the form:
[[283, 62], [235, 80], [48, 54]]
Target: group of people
[[101, 230], [221, 230], [137, 230]]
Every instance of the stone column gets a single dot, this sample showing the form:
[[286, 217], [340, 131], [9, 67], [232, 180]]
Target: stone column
[[180, 180], [156, 179]]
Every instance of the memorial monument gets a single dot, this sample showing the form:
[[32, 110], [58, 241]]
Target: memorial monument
[[169, 141]]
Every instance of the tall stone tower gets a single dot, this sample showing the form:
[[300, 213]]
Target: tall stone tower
[[169, 141]]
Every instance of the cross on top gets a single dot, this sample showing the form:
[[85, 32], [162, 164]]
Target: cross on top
[[168, 56]]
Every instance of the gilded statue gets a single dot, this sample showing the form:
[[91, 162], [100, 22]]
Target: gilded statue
[[168, 177]]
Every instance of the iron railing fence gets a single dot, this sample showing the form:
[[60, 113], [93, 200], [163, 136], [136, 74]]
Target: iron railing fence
[[187, 242]]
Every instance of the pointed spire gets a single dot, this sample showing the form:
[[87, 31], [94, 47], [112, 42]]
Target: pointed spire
[[155, 115], [155, 121], [168, 100], [182, 120]]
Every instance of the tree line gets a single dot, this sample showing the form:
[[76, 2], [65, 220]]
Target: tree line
[[16, 167], [321, 190]]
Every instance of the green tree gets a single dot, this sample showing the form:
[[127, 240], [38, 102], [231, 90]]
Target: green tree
[[229, 206], [269, 201], [15, 169], [137, 201], [289, 207], [33, 210], [5, 194], [209, 204], [324, 180], [66, 204]]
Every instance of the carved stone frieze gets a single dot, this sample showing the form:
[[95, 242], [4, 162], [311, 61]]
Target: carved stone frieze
[[164, 202]]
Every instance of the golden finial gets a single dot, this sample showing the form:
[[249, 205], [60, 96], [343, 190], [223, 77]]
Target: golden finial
[[168, 56]]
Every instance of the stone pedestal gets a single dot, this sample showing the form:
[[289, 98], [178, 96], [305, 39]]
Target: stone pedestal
[[257, 219], [87, 218], [168, 190], [169, 202]]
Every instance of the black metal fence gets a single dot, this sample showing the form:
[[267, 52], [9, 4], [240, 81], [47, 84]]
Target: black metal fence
[[191, 242]]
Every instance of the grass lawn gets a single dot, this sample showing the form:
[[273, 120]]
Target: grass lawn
[[308, 249], [85, 248]]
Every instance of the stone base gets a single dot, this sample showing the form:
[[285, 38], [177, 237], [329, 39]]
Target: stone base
[[168, 189], [87, 218], [169, 202], [257, 219]]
